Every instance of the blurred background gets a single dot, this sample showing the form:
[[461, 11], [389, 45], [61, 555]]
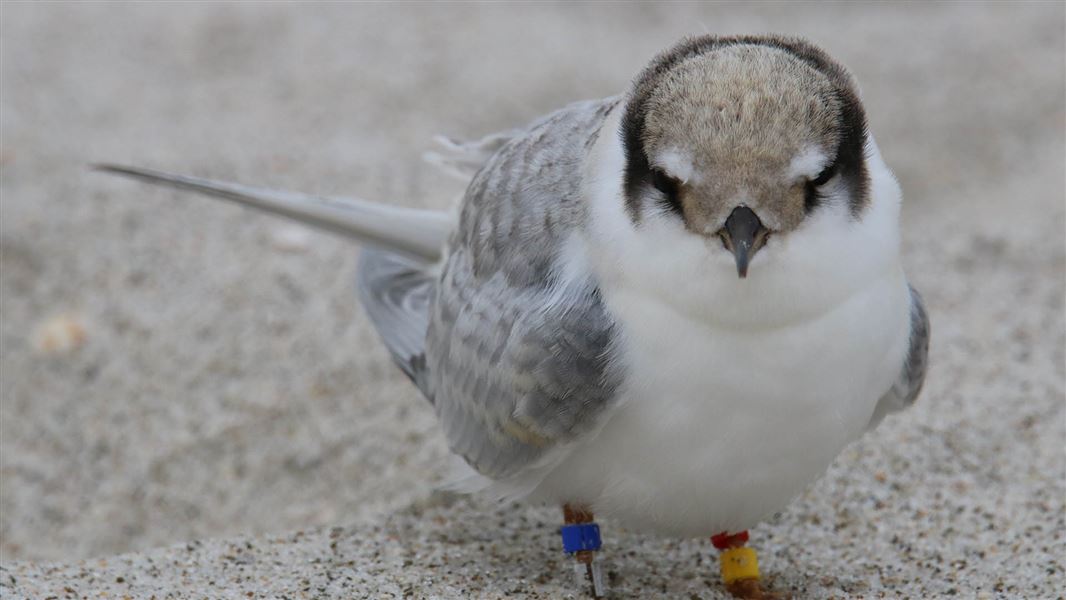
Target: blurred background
[[174, 368]]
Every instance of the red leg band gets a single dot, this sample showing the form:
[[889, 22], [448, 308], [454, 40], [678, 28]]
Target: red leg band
[[724, 541]]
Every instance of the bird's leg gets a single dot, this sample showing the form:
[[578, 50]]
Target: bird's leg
[[740, 567], [581, 539]]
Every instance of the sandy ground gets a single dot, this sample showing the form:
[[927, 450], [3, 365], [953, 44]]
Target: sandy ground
[[210, 375]]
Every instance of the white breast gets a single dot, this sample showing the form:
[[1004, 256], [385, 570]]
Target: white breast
[[718, 428]]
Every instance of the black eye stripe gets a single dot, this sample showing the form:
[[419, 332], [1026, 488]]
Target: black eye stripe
[[669, 187], [812, 196], [663, 182]]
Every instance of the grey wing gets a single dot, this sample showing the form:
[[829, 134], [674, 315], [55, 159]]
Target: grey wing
[[518, 347], [395, 292], [912, 375]]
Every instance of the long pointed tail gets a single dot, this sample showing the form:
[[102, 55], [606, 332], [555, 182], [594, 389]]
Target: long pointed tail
[[420, 234]]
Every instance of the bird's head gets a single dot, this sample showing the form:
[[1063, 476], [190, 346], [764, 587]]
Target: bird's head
[[742, 139]]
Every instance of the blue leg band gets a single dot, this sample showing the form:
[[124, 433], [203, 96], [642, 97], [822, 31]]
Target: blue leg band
[[582, 536]]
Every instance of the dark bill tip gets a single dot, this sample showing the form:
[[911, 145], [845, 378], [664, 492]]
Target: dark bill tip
[[742, 262]]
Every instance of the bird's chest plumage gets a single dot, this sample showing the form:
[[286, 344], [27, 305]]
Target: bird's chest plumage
[[718, 427]]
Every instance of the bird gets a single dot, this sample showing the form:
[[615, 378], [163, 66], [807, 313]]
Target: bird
[[674, 306]]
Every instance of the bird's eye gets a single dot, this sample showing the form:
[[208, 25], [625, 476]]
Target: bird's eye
[[812, 193], [669, 188], [824, 177]]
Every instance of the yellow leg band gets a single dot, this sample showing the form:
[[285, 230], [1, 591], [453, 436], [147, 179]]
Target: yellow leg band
[[739, 563]]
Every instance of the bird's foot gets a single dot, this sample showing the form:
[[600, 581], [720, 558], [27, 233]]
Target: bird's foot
[[752, 589], [740, 568], [581, 539]]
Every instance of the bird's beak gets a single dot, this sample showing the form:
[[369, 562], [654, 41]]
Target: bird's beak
[[743, 235]]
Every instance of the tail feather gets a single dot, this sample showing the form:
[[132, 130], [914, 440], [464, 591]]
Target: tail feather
[[419, 234]]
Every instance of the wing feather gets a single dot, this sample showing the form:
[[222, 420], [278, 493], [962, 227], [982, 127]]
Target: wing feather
[[396, 292], [518, 346], [905, 390]]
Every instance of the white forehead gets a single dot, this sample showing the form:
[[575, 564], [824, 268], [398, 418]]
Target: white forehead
[[807, 163]]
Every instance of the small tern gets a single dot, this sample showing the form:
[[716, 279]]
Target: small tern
[[674, 307]]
